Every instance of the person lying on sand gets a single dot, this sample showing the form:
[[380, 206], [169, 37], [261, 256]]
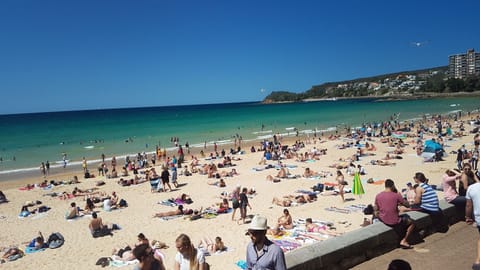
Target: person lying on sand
[[310, 173], [220, 183], [179, 211], [288, 200], [382, 162], [37, 242], [323, 229], [10, 252]]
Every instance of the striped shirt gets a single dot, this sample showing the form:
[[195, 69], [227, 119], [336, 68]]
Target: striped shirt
[[429, 198]]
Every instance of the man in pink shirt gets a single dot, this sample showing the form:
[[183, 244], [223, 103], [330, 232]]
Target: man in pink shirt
[[386, 204]]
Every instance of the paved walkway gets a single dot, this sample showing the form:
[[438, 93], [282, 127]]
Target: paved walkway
[[455, 250]]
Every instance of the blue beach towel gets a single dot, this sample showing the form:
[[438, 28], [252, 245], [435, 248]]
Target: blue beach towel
[[30, 250], [242, 264]]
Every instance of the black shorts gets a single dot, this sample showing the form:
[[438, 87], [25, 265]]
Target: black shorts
[[401, 227]]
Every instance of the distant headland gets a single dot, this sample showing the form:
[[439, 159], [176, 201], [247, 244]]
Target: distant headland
[[425, 83]]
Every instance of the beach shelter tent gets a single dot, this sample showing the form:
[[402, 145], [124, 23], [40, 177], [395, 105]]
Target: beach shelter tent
[[357, 185], [432, 147]]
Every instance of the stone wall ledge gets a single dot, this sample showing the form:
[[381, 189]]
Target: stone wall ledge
[[345, 251]]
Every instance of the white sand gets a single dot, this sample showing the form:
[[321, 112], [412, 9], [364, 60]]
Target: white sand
[[81, 251]]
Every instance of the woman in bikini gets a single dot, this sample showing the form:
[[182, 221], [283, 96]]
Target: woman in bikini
[[178, 211], [312, 227], [285, 220]]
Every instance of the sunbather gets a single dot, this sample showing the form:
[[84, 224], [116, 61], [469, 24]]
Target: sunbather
[[178, 211], [73, 212], [312, 227], [37, 242], [209, 245]]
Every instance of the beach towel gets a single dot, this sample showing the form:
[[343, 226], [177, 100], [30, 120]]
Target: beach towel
[[338, 210], [39, 215], [316, 221], [30, 250], [15, 257], [356, 207], [118, 263], [242, 264], [286, 245], [168, 203], [225, 250], [170, 217]]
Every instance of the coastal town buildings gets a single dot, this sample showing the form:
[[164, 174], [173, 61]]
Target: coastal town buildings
[[463, 65]]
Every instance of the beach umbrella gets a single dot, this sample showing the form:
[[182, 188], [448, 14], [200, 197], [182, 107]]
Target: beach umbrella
[[357, 185]]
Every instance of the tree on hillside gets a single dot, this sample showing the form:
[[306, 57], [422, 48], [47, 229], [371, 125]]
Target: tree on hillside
[[455, 85], [472, 83], [434, 84]]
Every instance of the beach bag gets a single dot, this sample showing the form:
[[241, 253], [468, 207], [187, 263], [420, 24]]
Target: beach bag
[[122, 203], [368, 210], [55, 240], [318, 187], [103, 261]]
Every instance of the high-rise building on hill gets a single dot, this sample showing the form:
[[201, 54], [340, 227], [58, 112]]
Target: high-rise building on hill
[[461, 66]]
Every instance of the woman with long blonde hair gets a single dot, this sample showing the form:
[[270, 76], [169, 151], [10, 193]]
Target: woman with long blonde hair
[[188, 257]]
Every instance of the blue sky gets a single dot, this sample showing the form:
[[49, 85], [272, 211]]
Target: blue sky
[[72, 55]]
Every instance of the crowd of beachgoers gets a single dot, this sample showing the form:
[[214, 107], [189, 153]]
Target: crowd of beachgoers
[[157, 210]]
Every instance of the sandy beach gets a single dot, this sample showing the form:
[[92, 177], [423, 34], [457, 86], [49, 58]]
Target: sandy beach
[[81, 250]]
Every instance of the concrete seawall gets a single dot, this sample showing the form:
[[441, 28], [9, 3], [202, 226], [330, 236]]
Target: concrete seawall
[[350, 249]]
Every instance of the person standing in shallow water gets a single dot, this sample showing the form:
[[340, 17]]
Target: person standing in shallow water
[[47, 167], [43, 170]]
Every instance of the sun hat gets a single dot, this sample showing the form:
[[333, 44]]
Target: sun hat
[[258, 223]]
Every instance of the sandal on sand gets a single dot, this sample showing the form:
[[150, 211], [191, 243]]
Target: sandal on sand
[[408, 247], [476, 266]]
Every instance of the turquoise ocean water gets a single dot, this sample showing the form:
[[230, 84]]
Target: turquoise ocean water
[[38, 137]]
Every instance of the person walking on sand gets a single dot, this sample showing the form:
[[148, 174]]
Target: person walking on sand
[[243, 204], [165, 179], [261, 252], [341, 184], [235, 201]]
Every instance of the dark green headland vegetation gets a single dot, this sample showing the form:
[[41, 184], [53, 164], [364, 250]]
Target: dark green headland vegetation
[[406, 84]]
